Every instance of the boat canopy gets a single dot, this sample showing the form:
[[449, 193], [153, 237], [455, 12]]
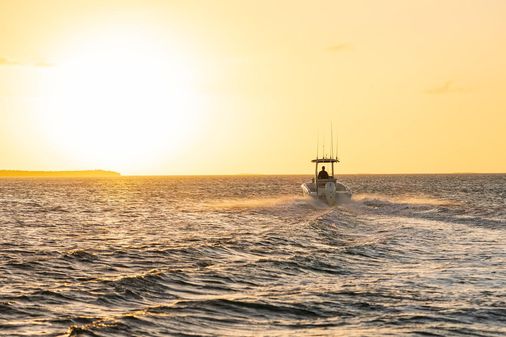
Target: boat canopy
[[325, 160]]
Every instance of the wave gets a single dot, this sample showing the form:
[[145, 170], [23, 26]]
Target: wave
[[235, 315], [403, 199], [80, 255], [209, 315]]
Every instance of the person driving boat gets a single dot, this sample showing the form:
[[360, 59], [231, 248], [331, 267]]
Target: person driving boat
[[323, 174]]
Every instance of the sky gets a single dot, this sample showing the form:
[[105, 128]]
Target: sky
[[252, 87]]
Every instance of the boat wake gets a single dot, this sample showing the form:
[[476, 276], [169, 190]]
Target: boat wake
[[271, 202], [402, 199], [423, 207]]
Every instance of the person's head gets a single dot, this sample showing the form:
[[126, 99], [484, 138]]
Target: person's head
[[323, 168]]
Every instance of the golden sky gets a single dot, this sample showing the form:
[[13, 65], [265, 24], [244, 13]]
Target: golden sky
[[226, 87]]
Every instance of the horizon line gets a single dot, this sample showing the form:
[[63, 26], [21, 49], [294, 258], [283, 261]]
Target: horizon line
[[301, 174], [97, 172]]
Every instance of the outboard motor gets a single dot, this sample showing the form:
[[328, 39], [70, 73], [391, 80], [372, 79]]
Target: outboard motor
[[330, 193]]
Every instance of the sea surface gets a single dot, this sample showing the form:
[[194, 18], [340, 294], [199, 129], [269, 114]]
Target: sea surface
[[410, 255]]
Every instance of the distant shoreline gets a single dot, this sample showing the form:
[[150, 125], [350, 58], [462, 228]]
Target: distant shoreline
[[57, 174]]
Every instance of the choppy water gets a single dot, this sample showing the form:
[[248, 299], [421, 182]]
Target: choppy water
[[239, 256]]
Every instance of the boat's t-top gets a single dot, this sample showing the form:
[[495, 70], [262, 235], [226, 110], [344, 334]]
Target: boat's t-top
[[323, 161]]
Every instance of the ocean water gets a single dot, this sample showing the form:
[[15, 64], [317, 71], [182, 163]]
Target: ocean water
[[420, 255]]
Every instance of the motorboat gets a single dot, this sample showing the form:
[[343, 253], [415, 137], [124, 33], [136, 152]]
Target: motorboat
[[326, 188]]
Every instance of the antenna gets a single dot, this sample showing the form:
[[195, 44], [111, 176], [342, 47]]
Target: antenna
[[331, 142], [337, 147], [323, 146], [317, 144]]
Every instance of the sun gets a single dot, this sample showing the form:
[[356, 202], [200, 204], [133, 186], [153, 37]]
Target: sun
[[121, 100]]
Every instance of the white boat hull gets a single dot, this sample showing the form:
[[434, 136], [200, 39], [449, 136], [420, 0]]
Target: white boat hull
[[330, 192]]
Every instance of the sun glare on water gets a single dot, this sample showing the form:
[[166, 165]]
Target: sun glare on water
[[121, 101]]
